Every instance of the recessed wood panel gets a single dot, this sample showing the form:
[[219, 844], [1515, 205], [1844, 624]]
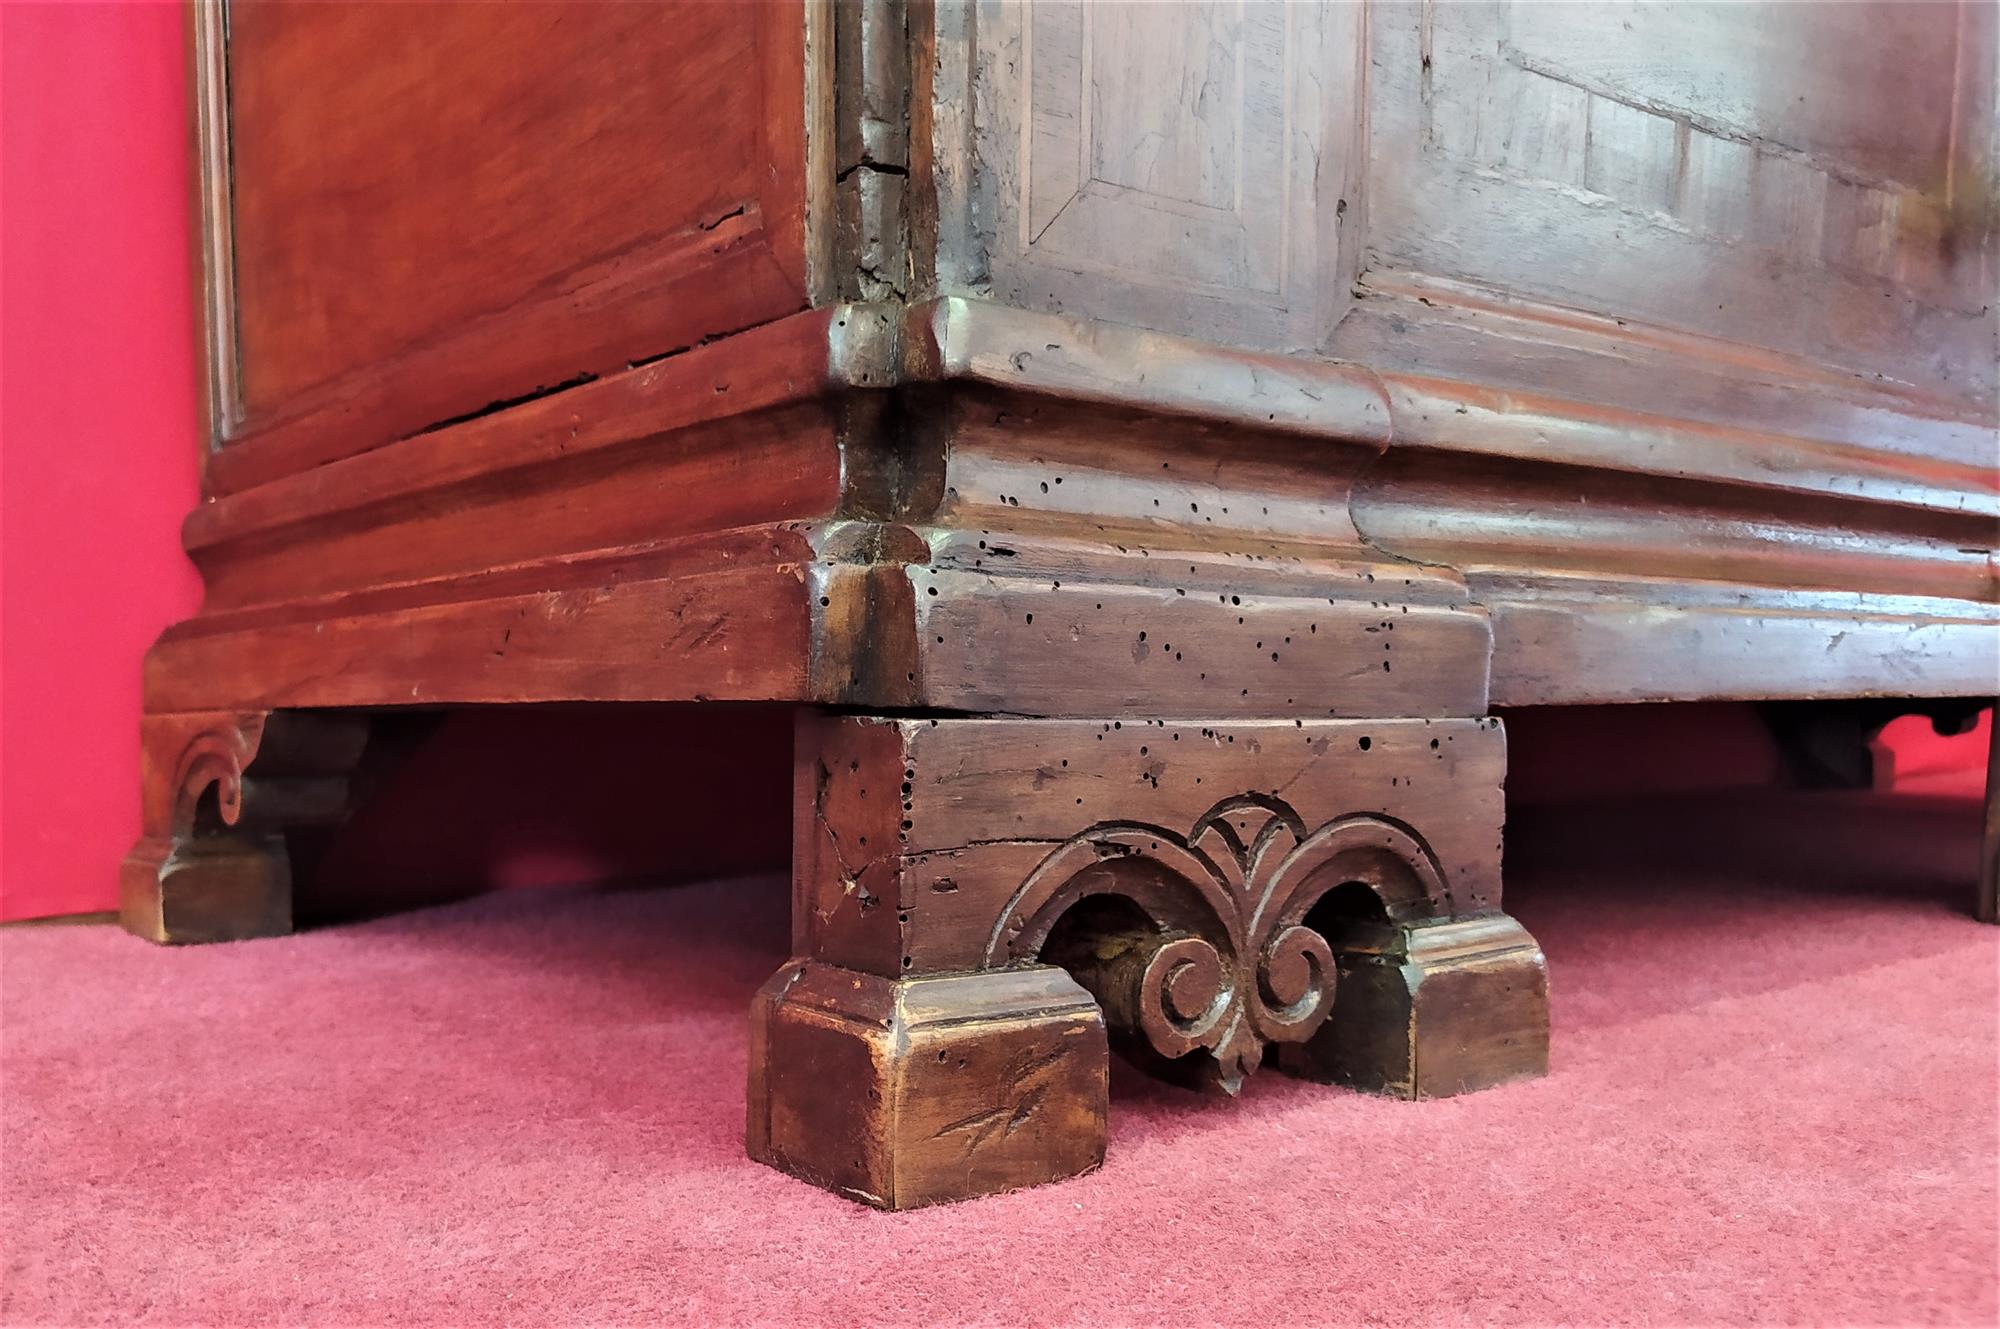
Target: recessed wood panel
[[1816, 179], [1177, 166], [434, 207]]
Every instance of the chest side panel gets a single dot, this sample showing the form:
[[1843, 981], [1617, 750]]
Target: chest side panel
[[433, 208]]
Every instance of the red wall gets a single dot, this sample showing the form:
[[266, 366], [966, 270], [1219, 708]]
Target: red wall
[[97, 432], [98, 463]]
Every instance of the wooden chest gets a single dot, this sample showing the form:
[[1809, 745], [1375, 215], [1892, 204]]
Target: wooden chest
[[1146, 439]]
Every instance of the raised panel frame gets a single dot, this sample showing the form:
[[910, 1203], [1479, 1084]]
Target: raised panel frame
[[679, 288], [1236, 225], [1555, 174]]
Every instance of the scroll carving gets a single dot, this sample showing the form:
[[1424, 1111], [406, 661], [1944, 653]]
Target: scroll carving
[[220, 866], [303, 760], [216, 756], [1198, 945]]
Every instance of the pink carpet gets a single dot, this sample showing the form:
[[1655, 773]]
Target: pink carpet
[[1773, 1101]]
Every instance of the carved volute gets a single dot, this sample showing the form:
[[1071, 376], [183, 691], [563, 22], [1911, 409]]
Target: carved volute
[[1200, 946]]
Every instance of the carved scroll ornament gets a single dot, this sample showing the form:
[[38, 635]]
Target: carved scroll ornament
[[1212, 956]]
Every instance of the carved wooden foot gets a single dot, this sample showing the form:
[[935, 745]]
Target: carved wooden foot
[[1216, 888], [1431, 1009], [230, 801], [906, 1092]]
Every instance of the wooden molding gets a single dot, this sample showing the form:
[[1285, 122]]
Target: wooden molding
[[1050, 487], [682, 291], [954, 340], [214, 263], [1207, 190]]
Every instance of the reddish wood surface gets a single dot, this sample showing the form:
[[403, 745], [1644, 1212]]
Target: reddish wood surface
[[436, 208]]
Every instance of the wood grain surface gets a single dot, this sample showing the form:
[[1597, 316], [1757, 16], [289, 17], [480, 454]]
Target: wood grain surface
[[434, 208]]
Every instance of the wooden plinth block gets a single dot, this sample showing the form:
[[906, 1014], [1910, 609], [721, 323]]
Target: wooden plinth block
[[229, 888], [1193, 892], [907, 1092], [1432, 1009]]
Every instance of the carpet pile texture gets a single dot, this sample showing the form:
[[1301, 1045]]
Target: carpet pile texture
[[1773, 1101]]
